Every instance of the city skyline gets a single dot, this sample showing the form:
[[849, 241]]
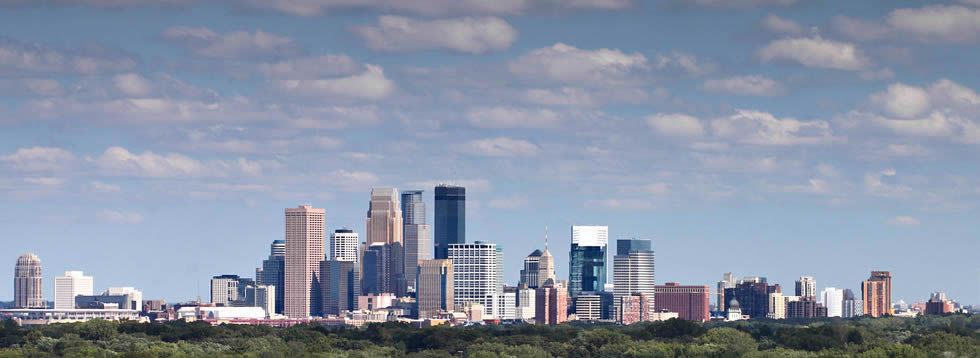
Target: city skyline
[[766, 138]]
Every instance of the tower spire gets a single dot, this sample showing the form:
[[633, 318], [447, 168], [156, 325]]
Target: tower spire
[[546, 237]]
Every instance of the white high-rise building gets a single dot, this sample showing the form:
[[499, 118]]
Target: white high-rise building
[[66, 287], [590, 235], [224, 289], [478, 276], [833, 299], [806, 286], [343, 245], [633, 271], [525, 304], [304, 251], [135, 297], [777, 306]]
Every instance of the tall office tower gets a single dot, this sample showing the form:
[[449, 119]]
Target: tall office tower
[[450, 220], [806, 286], [876, 294], [587, 259], [304, 251], [833, 299], [224, 289], [633, 271], [376, 277], [690, 302], [477, 276], [546, 267], [274, 273], [851, 306], [551, 304], [595, 306], [27, 282], [341, 285], [632, 309], [343, 245], [384, 225], [525, 305], [66, 287], [529, 274], [777, 306], [727, 281], [417, 234], [752, 294], [435, 287]]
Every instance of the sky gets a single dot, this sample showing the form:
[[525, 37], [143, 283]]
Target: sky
[[156, 143]]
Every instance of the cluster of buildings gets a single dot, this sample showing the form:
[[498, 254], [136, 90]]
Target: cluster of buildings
[[403, 269]]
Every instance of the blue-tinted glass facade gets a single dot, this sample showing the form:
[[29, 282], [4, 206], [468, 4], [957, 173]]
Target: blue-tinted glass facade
[[586, 269], [450, 211], [413, 208]]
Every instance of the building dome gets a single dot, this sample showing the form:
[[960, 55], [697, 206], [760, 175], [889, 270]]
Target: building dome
[[733, 304], [28, 259]]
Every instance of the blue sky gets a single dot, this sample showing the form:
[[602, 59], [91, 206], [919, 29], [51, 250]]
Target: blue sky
[[155, 143]]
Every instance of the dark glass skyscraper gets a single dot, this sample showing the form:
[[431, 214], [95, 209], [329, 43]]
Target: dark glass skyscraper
[[274, 272], [587, 259], [450, 213]]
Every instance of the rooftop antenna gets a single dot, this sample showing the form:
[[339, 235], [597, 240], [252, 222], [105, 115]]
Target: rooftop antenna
[[545, 237]]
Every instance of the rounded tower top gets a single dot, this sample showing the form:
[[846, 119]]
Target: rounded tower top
[[28, 259]]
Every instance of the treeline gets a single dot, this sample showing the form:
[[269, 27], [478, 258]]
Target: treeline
[[926, 336]]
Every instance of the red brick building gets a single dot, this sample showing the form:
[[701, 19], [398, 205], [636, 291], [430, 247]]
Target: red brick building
[[690, 302], [551, 304], [633, 308]]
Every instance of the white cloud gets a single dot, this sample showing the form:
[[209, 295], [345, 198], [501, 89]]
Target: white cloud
[[471, 185], [828, 170], [38, 158], [875, 184], [512, 117], [435, 7], [903, 221], [45, 181], [511, 203], [16, 57], [859, 29], [101, 187], [466, 35], [675, 124], [370, 84], [745, 85], [565, 96], [902, 100], [946, 23], [501, 147], [352, 180], [756, 127], [119, 161], [113, 216], [31, 87], [784, 26], [620, 204], [659, 188], [732, 4], [815, 52], [311, 67], [205, 42], [813, 186], [132, 84], [685, 62], [565, 63]]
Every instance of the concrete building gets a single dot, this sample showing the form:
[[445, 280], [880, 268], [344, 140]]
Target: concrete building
[[833, 299], [633, 308], [478, 276], [384, 226], [806, 286], [274, 273], [587, 259], [595, 306], [124, 298], [417, 234], [375, 302], [876, 294], [265, 297], [508, 303], [752, 294], [341, 286], [450, 221], [938, 304], [304, 251], [435, 288], [66, 287], [343, 245], [633, 271], [690, 302], [551, 304], [525, 305], [733, 311], [224, 289], [41, 317], [851, 306], [538, 268], [777, 306], [805, 307], [727, 281], [27, 282]]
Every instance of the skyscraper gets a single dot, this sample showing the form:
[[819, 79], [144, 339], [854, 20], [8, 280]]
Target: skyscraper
[[727, 281], [477, 276], [876, 294], [66, 287], [633, 272], [274, 273], [690, 302], [343, 245], [587, 259], [450, 211], [435, 287], [341, 285], [529, 274], [833, 299], [376, 277], [752, 294], [27, 282], [806, 286], [417, 234], [551, 303], [304, 251], [384, 225], [224, 289]]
